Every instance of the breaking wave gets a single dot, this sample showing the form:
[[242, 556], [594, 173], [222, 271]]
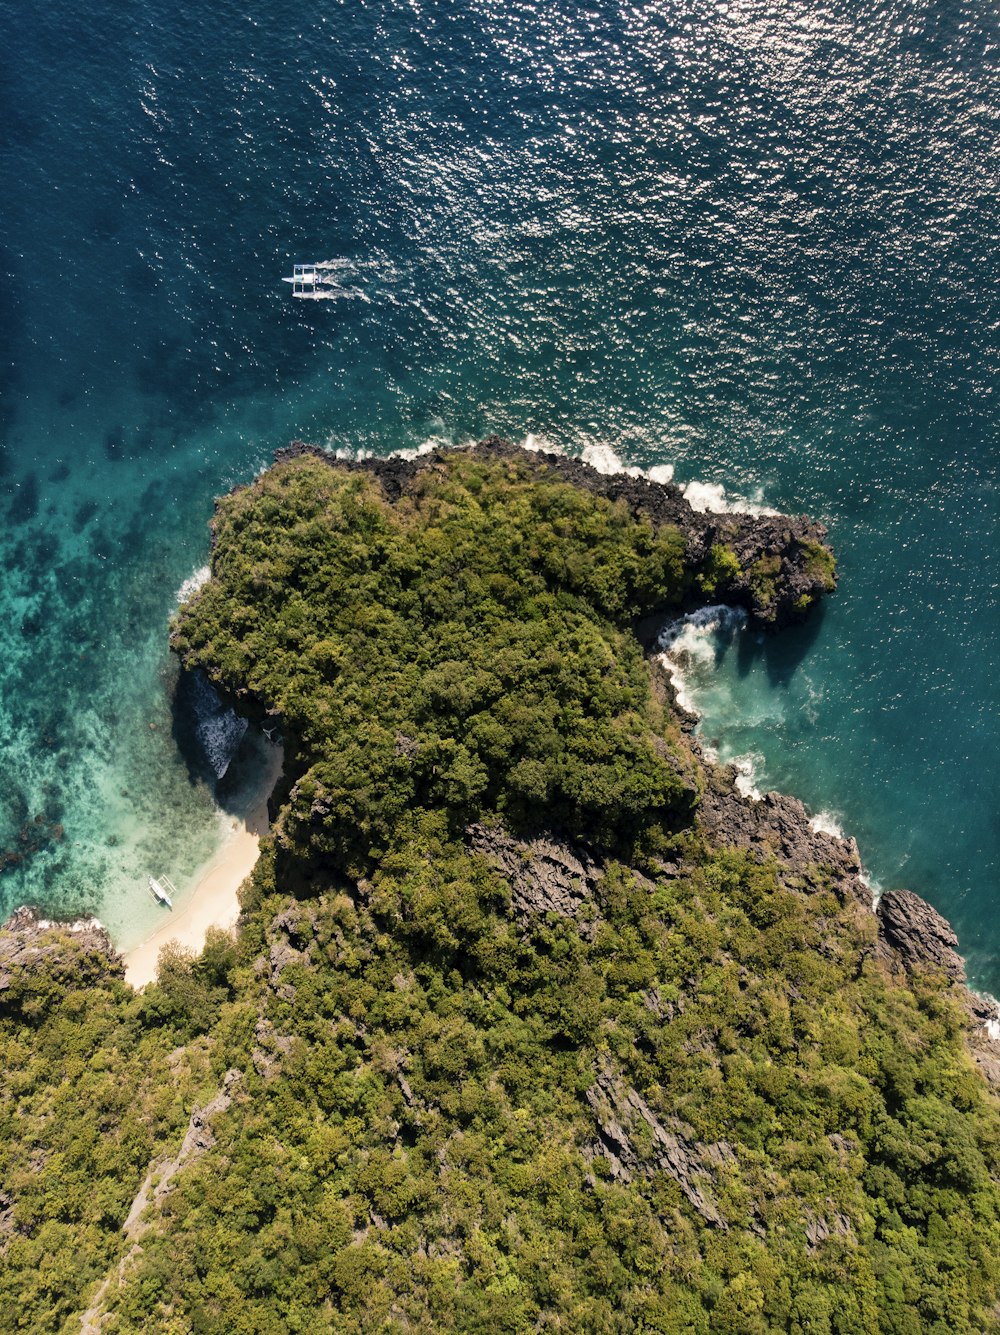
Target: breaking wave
[[688, 647], [192, 584], [710, 497], [746, 776], [825, 822]]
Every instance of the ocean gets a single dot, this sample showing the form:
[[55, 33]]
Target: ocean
[[752, 242]]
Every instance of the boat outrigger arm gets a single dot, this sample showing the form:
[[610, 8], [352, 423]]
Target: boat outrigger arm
[[318, 282], [161, 888]]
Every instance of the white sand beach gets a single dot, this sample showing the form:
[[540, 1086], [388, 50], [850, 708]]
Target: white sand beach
[[214, 900]]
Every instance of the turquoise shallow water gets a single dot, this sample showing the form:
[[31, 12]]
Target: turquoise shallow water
[[753, 241]]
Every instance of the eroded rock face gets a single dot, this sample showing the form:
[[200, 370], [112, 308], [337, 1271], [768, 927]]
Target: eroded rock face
[[778, 826], [290, 939], [32, 947], [625, 1121], [545, 875], [821, 1227], [918, 934], [911, 933]]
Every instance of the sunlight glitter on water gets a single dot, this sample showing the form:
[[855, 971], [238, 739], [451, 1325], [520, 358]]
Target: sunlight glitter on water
[[750, 245]]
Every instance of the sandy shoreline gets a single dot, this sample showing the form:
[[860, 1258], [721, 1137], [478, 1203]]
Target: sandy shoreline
[[213, 901]]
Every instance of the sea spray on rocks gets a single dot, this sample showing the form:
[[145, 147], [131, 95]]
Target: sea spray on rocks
[[692, 642], [192, 584], [711, 498]]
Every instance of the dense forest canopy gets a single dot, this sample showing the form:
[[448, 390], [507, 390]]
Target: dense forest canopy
[[509, 1040]]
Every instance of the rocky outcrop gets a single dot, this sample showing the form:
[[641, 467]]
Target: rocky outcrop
[[821, 1227], [777, 566], [34, 949], [159, 1180], [289, 941], [270, 1049], [625, 1121], [776, 826], [545, 875], [917, 934], [911, 934], [784, 563]]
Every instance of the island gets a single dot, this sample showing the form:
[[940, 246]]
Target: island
[[532, 1021]]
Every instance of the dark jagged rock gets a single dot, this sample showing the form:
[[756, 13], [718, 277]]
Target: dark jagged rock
[[778, 826], [619, 1110], [821, 1227], [982, 1036], [33, 948], [545, 875], [918, 934], [785, 564], [911, 934], [208, 730]]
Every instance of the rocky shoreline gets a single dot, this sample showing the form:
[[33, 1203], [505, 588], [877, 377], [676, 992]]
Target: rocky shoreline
[[693, 1057], [781, 571], [911, 934], [547, 876], [36, 952]]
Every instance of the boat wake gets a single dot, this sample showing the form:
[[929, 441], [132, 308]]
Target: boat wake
[[322, 281]]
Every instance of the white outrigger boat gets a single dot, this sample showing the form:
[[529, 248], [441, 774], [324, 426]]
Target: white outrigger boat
[[161, 887], [316, 282]]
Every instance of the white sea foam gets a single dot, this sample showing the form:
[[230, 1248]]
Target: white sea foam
[[602, 458], [661, 473], [875, 888], [357, 453], [702, 496], [710, 497], [425, 447], [825, 822], [746, 776], [192, 584], [599, 455], [688, 644]]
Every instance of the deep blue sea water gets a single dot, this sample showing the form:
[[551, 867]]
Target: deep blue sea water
[[756, 241]]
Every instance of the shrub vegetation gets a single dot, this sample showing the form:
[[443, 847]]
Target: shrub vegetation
[[412, 1142]]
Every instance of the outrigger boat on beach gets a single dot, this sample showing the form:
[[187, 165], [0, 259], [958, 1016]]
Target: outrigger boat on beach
[[159, 886], [317, 282]]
